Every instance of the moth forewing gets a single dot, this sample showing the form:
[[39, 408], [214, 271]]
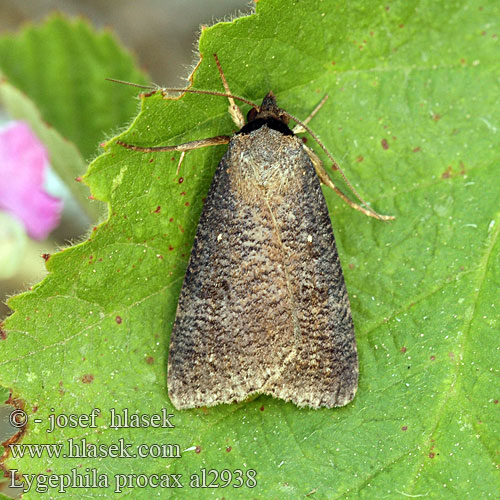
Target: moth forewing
[[263, 308]]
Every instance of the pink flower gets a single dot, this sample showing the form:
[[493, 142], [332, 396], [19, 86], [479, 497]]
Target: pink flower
[[23, 162]]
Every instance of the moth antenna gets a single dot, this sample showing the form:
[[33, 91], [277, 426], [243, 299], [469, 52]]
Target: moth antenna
[[335, 164], [123, 82], [192, 91], [211, 92]]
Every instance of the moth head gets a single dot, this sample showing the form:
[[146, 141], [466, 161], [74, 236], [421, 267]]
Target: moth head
[[267, 110]]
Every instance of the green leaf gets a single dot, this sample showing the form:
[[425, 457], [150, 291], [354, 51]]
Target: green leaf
[[54, 78], [412, 122]]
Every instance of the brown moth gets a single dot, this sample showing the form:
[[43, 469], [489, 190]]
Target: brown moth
[[263, 308]]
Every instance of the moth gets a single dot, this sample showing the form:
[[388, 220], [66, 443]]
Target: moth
[[263, 308]]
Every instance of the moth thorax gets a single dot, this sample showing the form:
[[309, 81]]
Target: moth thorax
[[267, 160]]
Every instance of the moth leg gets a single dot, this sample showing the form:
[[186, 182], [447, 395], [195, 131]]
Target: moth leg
[[186, 146], [234, 110], [325, 179], [299, 129], [181, 159]]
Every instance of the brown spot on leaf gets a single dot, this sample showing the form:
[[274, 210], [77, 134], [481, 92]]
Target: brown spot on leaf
[[262, 408], [181, 180], [45, 256], [432, 454], [197, 449], [404, 428], [359, 159], [158, 209], [417, 149], [87, 378], [150, 360], [148, 94], [433, 358], [436, 117], [447, 173], [118, 320], [384, 143], [403, 349], [228, 449]]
